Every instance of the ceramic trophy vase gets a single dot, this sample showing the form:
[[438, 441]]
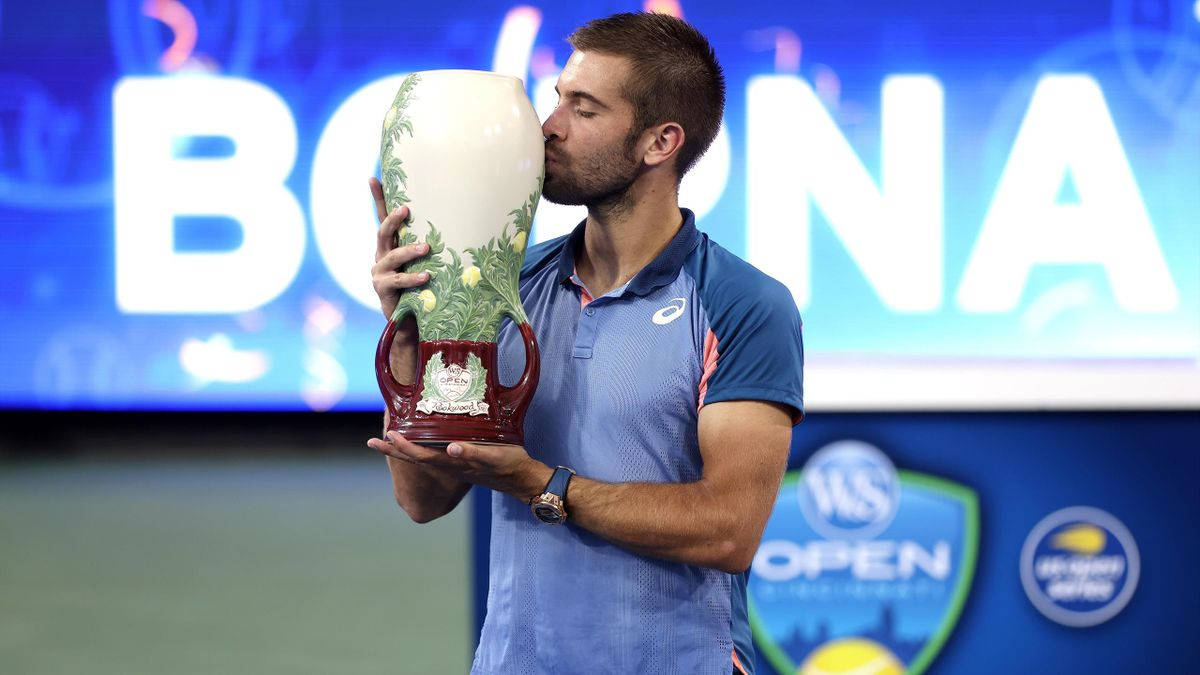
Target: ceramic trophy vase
[[464, 150]]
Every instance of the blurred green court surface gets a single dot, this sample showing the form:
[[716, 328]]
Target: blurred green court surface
[[225, 566]]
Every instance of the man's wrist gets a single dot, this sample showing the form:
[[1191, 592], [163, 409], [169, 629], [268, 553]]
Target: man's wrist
[[532, 481]]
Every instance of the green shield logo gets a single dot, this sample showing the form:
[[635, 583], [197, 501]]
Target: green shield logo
[[862, 568]]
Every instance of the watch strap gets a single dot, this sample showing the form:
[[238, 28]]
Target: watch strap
[[560, 480]]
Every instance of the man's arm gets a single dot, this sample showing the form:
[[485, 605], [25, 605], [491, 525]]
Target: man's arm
[[424, 492], [716, 521]]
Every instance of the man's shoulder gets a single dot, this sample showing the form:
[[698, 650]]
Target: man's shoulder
[[540, 256], [724, 282], [756, 330]]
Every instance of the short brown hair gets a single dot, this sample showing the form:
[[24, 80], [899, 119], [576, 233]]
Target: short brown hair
[[675, 75]]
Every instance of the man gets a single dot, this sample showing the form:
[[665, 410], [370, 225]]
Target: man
[[671, 379]]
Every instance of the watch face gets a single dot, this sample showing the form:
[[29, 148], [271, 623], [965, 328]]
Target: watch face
[[547, 514]]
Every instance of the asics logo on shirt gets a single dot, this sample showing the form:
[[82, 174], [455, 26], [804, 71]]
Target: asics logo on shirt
[[669, 313]]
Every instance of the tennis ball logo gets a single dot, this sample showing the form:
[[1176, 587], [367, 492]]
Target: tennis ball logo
[[1084, 539], [851, 656]]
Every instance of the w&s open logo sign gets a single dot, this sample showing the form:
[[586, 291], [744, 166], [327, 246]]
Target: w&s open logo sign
[[863, 569]]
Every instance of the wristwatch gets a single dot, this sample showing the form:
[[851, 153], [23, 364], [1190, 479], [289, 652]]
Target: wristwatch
[[551, 506]]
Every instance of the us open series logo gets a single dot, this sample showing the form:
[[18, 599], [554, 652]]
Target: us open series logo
[[863, 568], [1080, 566]]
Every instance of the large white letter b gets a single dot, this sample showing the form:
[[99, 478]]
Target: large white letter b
[[152, 186]]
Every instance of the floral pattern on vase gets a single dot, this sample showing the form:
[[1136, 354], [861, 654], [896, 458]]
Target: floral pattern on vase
[[464, 150], [464, 299]]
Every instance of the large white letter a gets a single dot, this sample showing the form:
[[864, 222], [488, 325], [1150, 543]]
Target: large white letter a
[[1067, 131]]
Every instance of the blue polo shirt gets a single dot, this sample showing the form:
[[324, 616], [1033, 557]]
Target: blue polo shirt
[[623, 379]]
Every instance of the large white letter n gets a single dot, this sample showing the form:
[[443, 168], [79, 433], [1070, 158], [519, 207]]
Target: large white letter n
[[796, 154], [152, 186]]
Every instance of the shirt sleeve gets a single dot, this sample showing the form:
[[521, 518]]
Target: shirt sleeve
[[753, 349]]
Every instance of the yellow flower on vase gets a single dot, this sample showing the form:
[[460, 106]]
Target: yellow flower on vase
[[518, 242], [471, 276], [428, 300]]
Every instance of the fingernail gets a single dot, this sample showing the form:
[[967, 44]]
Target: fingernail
[[454, 449]]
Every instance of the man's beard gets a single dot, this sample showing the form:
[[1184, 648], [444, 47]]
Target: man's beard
[[600, 180]]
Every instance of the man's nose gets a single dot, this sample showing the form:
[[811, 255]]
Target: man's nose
[[550, 128]]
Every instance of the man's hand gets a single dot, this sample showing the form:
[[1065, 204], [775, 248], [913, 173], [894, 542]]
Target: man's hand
[[386, 276], [424, 491], [505, 468]]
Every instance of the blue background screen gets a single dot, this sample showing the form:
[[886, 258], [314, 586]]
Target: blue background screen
[[975, 205]]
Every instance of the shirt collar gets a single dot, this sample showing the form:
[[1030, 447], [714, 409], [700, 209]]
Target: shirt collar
[[658, 272]]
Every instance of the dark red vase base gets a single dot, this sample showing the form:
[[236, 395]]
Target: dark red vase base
[[505, 418]]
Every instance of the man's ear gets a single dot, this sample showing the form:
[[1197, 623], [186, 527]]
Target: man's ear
[[662, 143]]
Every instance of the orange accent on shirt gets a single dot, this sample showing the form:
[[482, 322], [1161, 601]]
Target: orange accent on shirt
[[710, 364], [584, 296], [738, 664]]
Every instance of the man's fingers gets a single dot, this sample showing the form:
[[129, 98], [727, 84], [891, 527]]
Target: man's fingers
[[388, 280], [387, 449], [377, 194], [388, 227], [396, 447], [389, 283], [399, 257], [468, 452], [407, 447], [422, 454]]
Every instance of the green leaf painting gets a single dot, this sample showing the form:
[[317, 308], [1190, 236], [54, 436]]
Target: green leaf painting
[[463, 300], [478, 379], [434, 366], [395, 125], [466, 300]]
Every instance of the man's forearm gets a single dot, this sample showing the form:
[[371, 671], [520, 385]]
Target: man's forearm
[[716, 521], [684, 522], [424, 492]]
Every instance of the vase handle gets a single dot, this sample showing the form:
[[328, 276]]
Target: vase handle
[[514, 399], [396, 396]]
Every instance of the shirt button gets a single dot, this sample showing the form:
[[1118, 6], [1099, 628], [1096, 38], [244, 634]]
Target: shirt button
[[589, 311]]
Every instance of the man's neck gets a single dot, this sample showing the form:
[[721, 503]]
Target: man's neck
[[619, 241]]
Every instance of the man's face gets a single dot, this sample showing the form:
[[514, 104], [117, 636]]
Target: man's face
[[590, 154]]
